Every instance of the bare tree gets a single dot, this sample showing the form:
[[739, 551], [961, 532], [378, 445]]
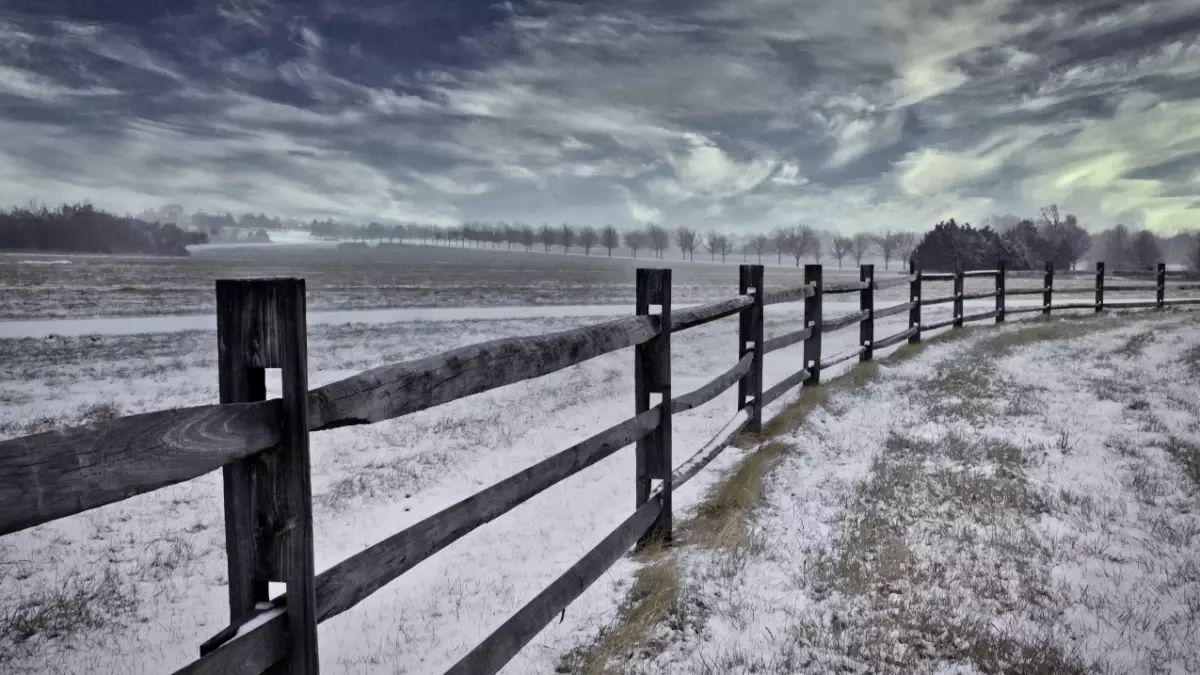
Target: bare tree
[[842, 246], [687, 241], [712, 241], [906, 244], [724, 246], [548, 235], [634, 241], [803, 240], [1117, 248], [759, 243], [780, 237], [1193, 252], [863, 243], [588, 238], [528, 238], [889, 245], [567, 235], [610, 238], [659, 239]]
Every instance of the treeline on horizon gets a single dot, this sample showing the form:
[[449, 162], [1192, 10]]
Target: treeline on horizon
[[82, 228], [1025, 244]]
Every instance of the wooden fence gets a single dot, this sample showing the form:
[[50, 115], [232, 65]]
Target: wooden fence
[[262, 447]]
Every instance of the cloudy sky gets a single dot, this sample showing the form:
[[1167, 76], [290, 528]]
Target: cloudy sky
[[745, 114]]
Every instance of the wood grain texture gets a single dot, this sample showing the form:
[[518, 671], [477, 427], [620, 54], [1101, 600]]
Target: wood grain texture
[[883, 284], [893, 310], [352, 580], [250, 654], [56, 474], [939, 324], [844, 356], [845, 287], [894, 339], [713, 387], [498, 648], [683, 319], [786, 340], [980, 316], [788, 295], [391, 391], [711, 449], [780, 388], [830, 325], [926, 302]]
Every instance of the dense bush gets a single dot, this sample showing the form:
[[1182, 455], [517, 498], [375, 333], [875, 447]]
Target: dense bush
[[82, 228]]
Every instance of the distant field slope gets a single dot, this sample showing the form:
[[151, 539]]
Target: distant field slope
[[81, 228]]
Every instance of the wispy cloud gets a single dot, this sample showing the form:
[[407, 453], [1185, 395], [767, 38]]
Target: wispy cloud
[[854, 114]]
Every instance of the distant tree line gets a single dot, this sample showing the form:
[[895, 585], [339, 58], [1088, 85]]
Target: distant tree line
[[82, 228]]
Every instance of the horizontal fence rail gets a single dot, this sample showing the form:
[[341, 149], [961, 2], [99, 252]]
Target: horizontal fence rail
[[56, 474]]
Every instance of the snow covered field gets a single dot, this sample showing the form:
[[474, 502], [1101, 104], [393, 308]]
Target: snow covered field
[[137, 586], [1021, 500]]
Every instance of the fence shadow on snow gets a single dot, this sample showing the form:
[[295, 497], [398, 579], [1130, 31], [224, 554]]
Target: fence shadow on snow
[[262, 446]]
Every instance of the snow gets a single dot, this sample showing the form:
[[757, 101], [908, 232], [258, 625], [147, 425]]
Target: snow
[[1105, 573]]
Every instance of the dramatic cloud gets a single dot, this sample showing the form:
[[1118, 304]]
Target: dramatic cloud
[[747, 114]]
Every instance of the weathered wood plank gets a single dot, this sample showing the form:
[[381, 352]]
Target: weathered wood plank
[[846, 287], [352, 580], [844, 356], [1034, 291], [866, 303], [786, 340], [713, 448], [1001, 280], [652, 375], [958, 296], [926, 302], [750, 341], [56, 474], [498, 648], [1048, 285], [939, 324], [1129, 288], [1027, 310], [981, 273], [980, 316], [1160, 292], [830, 325], [1181, 301], [893, 310], [391, 391], [895, 339], [788, 295], [780, 388], [883, 284], [263, 642], [914, 297], [937, 276], [814, 318], [683, 319], [714, 387], [979, 296]]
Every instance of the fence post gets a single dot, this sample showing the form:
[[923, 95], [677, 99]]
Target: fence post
[[958, 293], [914, 296], [750, 340], [866, 303], [652, 370], [1160, 294], [1001, 307], [812, 319], [1099, 287], [268, 498], [1047, 288]]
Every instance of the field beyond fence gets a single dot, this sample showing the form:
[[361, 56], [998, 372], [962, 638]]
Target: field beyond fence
[[262, 446]]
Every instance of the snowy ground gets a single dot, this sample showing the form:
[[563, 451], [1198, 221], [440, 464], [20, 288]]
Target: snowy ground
[[137, 586], [1021, 500]]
